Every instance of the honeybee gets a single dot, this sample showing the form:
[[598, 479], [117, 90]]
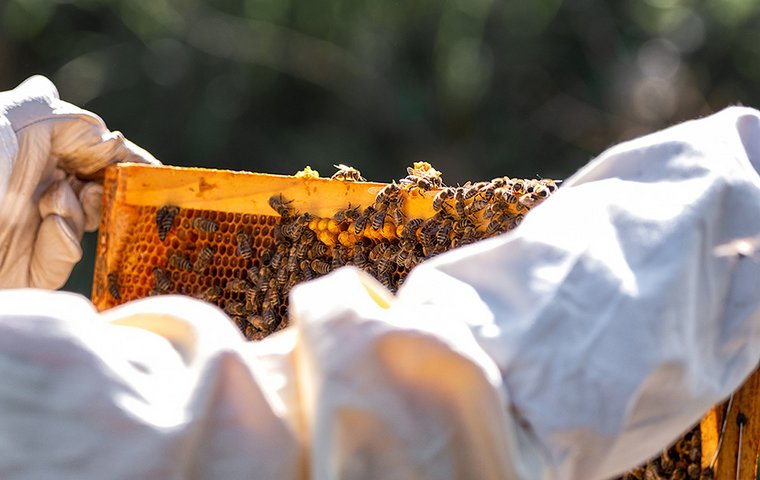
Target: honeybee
[[204, 258], [253, 274], [270, 318], [244, 245], [541, 192], [491, 210], [414, 259], [476, 206], [469, 234], [510, 201], [666, 461], [319, 249], [377, 251], [347, 214], [518, 187], [205, 224], [304, 218], [361, 222], [292, 281], [113, 285], [308, 236], [360, 259], [271, 287], [298, 252], [386, 261], [459, 227], [251, 297], [347, 174], [387, 193], [402, 256], [292, 230], [378, 219], [422, 184], [497, 223], [499, 182], [487, 191], [320, 266], [180, 260], [441, 198], [272, 298], [459, 202], [387, 280], [238, 285], [163, 282], [551, 185], [276, 261], [235, 308], [281, 206], [528, 200], [427, 235], [338, 257], [165, 220], [411, 227], [256, 321], [279, 237], [210, 294], [442, 234], [282, 277], [397, 214], [308, 273]]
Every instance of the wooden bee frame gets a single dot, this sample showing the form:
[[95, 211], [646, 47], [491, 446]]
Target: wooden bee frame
[[128, 244]]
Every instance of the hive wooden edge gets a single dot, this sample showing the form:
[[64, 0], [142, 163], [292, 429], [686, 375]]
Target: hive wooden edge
[[244, 192]]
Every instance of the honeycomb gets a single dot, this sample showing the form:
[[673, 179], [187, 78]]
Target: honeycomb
[[242, 240]]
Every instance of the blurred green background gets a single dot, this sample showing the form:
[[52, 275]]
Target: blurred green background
[[479, 88]]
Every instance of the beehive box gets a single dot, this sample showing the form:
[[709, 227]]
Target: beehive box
[[242, 240]]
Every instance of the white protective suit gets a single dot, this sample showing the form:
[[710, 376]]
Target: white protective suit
[[574, 347]]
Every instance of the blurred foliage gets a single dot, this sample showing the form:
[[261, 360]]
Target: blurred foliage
[[479, 88]]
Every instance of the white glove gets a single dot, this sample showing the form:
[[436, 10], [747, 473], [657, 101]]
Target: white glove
[[48, 151], [573, 347]]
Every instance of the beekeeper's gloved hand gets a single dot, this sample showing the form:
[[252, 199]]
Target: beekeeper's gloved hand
[[50, 151]]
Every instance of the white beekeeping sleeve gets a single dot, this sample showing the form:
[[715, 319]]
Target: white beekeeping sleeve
[[573, 347], [614, 313]]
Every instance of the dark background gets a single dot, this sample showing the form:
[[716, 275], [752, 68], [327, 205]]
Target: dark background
[[479, 88]]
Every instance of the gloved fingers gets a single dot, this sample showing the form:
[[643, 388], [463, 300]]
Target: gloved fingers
[[83, 145], [56, 251], [91, 198], [61, 200]]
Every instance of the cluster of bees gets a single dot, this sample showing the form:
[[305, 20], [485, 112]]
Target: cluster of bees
[[679, 462], [378, 238]]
